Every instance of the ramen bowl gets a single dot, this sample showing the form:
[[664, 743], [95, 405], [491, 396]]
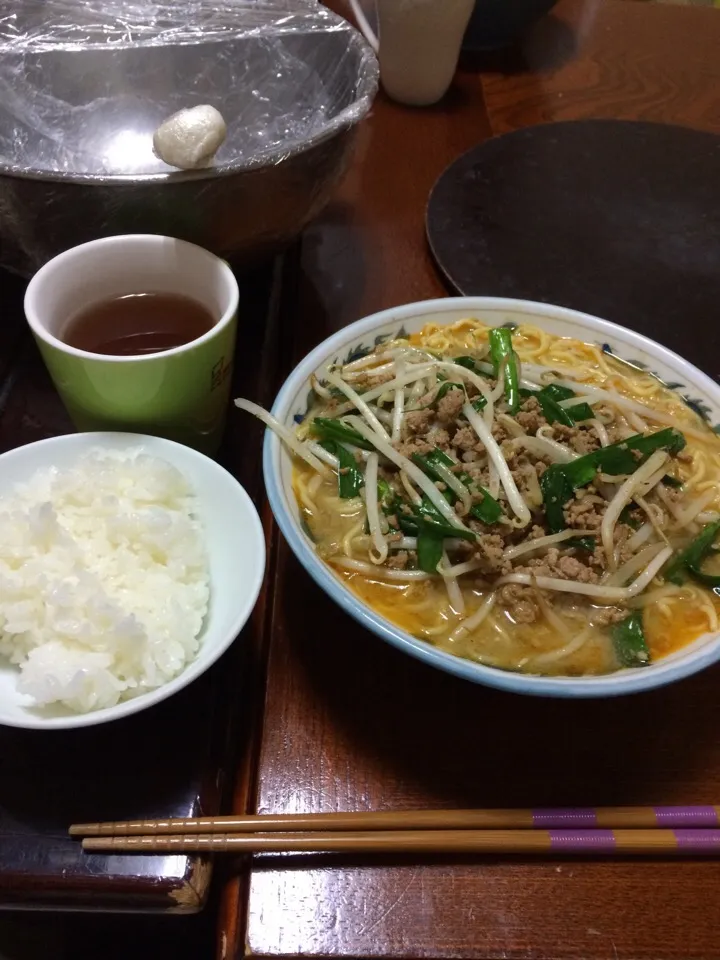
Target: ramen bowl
[[77, 123], [293, 401]]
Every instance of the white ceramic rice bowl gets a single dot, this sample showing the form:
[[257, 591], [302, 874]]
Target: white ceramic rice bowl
[[292, 402], [236, 550]]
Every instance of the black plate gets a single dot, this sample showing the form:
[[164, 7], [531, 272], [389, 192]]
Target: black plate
[[615, 218]]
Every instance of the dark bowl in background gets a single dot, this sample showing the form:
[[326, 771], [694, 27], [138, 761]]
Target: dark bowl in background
[[499, 23]]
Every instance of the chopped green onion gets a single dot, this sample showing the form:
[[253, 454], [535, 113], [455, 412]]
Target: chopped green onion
[[488, 510], [430, 536], [327, 429], [406, 524], [670, 481], [386, 494], [428, 509], [502, 354], [561, 479], [549, 399], [619, 457], [630, 517], [552, 411], [444, 530], [580, 411], [350, 476], [691, 558], [427, 461], [448, 385], [429, 551], [581, 543], [425, 517], [628, 638], [469, 364], [557, 392], [556, 490]]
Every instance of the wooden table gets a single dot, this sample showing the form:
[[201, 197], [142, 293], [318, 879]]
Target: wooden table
[[347, 722], [309, 712]]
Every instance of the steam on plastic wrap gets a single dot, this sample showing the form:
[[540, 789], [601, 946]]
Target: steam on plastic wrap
[[85, 83]]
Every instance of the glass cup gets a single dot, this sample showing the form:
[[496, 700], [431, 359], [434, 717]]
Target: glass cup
[[182, 393]]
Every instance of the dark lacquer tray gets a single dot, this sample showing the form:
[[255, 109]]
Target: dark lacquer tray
[[172, 760]]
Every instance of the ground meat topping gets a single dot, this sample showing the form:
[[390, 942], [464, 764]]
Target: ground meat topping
[[418, 421], [490, 549], [465, 438], [398, 561], [450, 405], [439, 437], [375, 381], [520, 602], [478, 471], [555, 564], [500, 433], [415, 445], [581, 439], [585, 513], [604, 616], [530, 416]]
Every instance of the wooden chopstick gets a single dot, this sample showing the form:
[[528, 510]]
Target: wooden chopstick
[[583, 842], [492, 819]]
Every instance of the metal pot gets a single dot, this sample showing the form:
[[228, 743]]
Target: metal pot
[[87, 171]]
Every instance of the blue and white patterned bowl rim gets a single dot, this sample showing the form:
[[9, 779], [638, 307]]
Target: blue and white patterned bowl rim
[[699, 391]]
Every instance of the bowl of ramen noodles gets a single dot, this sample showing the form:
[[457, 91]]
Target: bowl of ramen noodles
[[516, 493]]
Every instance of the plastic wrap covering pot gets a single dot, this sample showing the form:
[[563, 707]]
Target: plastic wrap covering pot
[[83, 86]]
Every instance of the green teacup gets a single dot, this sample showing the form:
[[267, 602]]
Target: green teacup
[[182, 393]]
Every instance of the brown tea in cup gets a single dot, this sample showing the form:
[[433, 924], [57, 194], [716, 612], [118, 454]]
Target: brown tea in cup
[[138, 324]]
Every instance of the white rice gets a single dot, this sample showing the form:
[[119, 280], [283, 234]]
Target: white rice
[[104, 581]]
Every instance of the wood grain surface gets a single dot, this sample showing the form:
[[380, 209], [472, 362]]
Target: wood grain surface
[[614, 60], [360, 726], [351, 724]]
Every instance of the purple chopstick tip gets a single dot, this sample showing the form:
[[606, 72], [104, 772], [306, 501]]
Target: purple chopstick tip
[[686, 816], [565, 817], [694, 840], [582, 840]]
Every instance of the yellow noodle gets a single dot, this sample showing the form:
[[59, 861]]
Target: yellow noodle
[[533, 343], [301, 489], [347, 541], [697, 470]]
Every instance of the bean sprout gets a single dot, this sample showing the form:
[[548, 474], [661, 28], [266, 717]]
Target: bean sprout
[[495, 454]]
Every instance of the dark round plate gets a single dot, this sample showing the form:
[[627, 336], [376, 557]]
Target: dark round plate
[[615, 218]]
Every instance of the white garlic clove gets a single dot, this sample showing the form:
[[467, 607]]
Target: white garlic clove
[[190, 138]]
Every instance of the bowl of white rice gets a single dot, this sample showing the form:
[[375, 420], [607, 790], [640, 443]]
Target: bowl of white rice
[[128, 565]]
